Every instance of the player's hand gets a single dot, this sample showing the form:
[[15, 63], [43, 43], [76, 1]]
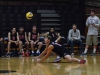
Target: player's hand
[[34, 42], [73, 38], [16, 42], [27, 42], [36, 57], [58, 34], [38, 60], [93, 24]]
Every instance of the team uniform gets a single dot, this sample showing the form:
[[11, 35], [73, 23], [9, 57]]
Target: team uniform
[[60, 50], [53, 36], [53, 40], [34, 36], [13, 38], [22, 37], [63, 52]]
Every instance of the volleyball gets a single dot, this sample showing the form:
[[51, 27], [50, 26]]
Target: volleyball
[[29, 15]]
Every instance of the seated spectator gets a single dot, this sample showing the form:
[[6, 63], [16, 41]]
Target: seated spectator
[[53, 35], [23, 39], [74, 38], [13, 40], [1, 44], [34, 40]]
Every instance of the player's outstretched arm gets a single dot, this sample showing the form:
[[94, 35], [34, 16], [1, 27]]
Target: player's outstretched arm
[[42, 54], [49, 50]]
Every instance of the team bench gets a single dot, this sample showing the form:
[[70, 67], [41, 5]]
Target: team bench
[[41, 38]]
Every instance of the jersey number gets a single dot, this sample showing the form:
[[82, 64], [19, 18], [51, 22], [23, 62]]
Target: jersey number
[[13, 38], [33, 36], [21, 37]]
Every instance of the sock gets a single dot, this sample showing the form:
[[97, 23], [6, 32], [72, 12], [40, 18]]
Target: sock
[[32, 51], [85, 51], [58, 57], [94, 50], [38, 51], [79, 60]]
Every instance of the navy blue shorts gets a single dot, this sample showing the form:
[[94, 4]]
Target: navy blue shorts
[[65, 52]]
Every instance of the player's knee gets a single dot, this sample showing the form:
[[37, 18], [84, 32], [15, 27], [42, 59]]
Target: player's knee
[[31, 42], [27, 43], [40, 43], [9, 43], [20, 42]]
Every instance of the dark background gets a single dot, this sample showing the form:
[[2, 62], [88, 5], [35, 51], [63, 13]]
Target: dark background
[[70, 11]]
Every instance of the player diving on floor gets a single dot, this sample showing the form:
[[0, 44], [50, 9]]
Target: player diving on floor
[[58, 49]]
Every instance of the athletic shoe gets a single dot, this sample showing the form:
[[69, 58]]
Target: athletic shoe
[[12, 54], [84, 54], [93, 54], [81, 55], [8, 55], [27, 54], [20, 55], [72, 54], [37, 54], [23, 54], [82, 61], [32, 54], [2, 56], [57, 60]]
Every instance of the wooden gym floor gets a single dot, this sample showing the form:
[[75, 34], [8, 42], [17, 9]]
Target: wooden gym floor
[[27, 66]]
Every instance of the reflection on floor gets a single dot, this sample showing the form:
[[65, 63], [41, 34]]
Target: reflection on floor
[[27, 66]]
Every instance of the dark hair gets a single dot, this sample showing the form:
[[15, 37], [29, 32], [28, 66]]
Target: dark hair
[[74, 25], [92, 10], [34, 26], [47, 36], [21, 27], [13, 27], [52, 27]]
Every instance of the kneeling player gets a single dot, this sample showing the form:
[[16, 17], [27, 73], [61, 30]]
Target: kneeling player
[[59, 50]]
